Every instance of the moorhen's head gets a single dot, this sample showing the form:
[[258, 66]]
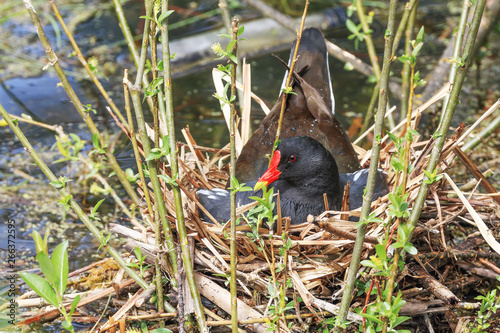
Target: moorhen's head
[[303, 170]]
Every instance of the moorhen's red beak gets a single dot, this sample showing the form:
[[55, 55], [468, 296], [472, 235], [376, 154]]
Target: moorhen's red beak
[[271, 173]]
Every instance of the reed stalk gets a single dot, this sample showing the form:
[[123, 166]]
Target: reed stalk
[[181, 227], [493, 125], [155, 182], [367, 36], [457, 48], [226, 18], [74, 205], [232, 124], [85, 64], [289, 77], [440, 134], [54, 62], [129, 39], [135, 147], [367, 198], [405, 73], [151, 165], [410, 7]]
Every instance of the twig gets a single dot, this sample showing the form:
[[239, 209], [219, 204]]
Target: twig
[[54, 62], [232, 130], [65, 194], [440, 134], [368, 39], [458, 47], [181, 226], [289, 78], [86, 65], [405, 73], [370, 186]]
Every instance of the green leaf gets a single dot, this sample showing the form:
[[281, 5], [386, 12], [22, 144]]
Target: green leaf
[[411, 249], [147, 17], [230, 46], [165, 15], [381, 252], [404, 58], [40, 245], [396, 245], [371, 317], [351, 26], [74, 304], [96, 207], [233, 58], [47, 267], [60, 263], [417, 48], [368, 263], [240, 30], [41, 287], [95, 141], [68, 326], [57, 185], [420, 35], [161, 330], [154, 154]]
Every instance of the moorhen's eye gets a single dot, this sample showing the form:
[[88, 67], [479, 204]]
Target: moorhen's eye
[[292, 158]]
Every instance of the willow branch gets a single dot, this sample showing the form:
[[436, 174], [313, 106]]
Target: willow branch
[[405, 73], [442, 130], [74, 205], [370, 186], [86, 65], [290, 74], [232, 130], [54, 62], [368, 39], [181, 226], [457, 48]]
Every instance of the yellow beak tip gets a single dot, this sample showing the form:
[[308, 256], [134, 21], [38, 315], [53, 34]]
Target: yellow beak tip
[[258, 186]]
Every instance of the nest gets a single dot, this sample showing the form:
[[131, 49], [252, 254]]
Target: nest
[[315, 266], [320, 250]]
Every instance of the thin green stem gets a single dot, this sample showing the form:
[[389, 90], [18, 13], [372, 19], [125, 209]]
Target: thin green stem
[[181, 226], [54, 62], [406, 149], [66, 194], [370, 186], [290, 74], [372, 53], [156, 128], [409, 8], [440, 135], [232, 130], [129, 39], [82, 59], [157, 190], [405, 73], [456, 50], [226, 18], [136, 147]]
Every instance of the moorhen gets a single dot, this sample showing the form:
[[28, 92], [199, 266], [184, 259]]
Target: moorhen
[[312, 137], [301, 170], [309, 111]]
